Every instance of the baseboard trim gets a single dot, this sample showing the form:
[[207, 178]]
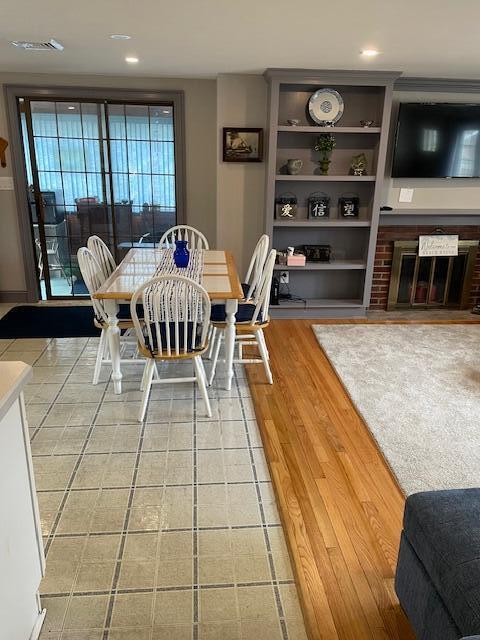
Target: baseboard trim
[[13, 296]]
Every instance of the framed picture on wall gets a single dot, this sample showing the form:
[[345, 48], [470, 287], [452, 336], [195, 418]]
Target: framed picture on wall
[[242, 144]]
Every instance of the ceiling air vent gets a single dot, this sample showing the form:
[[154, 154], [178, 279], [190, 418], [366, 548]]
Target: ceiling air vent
[[51, 45]]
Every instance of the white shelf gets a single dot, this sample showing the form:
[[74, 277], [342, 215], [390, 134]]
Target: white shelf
[[319, 130], [333, 222], [325, 266], [329, 178]]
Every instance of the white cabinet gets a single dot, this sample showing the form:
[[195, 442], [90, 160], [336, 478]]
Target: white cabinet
[[22, 561]]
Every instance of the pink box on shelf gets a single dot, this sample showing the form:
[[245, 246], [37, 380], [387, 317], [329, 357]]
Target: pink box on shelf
[[297, 260]]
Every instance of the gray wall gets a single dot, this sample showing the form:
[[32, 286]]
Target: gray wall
[[201, 159], [241, 102]]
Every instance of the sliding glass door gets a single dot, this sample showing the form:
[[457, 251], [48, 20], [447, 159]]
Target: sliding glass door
[[95, 168]]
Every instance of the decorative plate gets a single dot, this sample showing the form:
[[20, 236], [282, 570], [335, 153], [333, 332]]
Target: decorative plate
[[325, 107]]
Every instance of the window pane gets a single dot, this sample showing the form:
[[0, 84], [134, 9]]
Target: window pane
[[118, 152], [46, 154], [44, 120], [92, 155], [163, 158], [71, 154], [74, 187], [95, 186], [69, 120], [51, 182], [116, 121], [121, 192], [138, 127], [164, 191], [161, 123], [139, 157], [140, 189], [90, 120]]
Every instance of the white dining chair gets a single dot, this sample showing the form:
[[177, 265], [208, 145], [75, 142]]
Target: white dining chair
[[194, 237], [251, 319], [102, 254], [255, 268], [252, 279], [175, 327], [94, 277]]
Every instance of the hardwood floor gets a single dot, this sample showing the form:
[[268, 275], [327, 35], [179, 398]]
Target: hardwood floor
[[341, 507]]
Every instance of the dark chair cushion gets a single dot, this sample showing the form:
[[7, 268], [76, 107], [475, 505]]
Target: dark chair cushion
[[244, 314], [124, 311], [163, 334], [443, 528]]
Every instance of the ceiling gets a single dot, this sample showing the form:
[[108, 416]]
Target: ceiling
[[202, 38]]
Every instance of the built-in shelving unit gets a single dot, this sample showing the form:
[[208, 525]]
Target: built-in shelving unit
[[342, 286]]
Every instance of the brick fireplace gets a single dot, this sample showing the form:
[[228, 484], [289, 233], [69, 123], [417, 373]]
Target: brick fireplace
[[384, 254]]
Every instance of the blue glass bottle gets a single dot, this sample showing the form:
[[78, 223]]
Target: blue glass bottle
[[181, 255]]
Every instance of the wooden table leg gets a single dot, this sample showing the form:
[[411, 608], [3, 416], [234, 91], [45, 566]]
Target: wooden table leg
[[231, 308], [113, 335]]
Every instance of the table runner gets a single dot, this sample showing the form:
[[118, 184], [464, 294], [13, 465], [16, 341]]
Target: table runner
[[165, 302], [194, 270]]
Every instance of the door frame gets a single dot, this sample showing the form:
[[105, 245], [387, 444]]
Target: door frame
[[136, 96]]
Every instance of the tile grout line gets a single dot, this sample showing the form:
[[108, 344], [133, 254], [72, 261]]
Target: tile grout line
[[157, 589], [121, 548], [84, 534], [146, 451]]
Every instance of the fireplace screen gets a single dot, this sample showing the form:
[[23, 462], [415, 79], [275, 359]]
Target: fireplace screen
[[431, 282]]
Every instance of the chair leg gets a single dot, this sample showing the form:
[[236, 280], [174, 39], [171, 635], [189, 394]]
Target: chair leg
[[218, 342], [100, 357], [147, 382], [106, 351], [201, 381], [211, 346], [262, 347], [144, 377]]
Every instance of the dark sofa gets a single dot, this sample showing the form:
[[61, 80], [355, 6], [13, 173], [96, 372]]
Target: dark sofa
[[438, 571]]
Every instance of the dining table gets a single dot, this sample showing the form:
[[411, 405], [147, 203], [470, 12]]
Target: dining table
[[219, 278]]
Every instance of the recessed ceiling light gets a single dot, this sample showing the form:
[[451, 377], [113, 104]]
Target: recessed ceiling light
[[131, 60], [369, 53], [71, 108], [120, 36], [166, 111]]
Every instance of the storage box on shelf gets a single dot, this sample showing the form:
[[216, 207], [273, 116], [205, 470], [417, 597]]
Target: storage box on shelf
[[342, 285]]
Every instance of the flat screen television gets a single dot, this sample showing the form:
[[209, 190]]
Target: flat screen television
[[437, 141]]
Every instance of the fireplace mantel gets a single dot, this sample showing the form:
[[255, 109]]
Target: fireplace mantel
[[438, 217]]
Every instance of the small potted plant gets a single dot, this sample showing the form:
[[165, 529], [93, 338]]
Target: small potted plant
[[325, 145]]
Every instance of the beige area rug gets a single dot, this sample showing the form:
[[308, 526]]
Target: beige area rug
[[418, 389]]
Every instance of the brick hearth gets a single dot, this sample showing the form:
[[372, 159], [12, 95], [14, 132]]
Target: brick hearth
[[384, 253]]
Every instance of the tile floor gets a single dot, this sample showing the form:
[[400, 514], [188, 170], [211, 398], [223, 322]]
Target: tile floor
[[166, 529]]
